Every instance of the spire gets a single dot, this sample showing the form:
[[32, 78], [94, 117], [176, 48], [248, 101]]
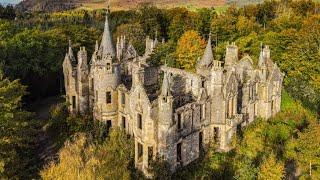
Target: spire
[[106, 42], [261, 58], [70, 54], [165, 89], [208, 55]]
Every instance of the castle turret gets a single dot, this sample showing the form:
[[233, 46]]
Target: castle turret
[[165, 132], [106, 78], [231, 54], [216, 92], [70, 78]]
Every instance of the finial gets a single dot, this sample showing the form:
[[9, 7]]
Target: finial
[[108, 6], [261, 46], [156, 34], [69, 42], [210, 34]]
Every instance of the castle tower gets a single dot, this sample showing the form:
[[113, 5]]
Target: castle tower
[[106, 78], [218, 110], [231, 54], [165, 135], [70, 79], [83, 81]]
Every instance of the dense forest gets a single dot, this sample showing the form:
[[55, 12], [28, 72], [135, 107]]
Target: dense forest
[[33, 46]]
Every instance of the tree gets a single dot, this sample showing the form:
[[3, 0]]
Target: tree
[[182, 20], [83, 159], [307, 149], [134, 34], [17, 133], [271, 169], [189, 49]]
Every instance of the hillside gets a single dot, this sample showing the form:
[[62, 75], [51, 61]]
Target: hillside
[[59, 5]]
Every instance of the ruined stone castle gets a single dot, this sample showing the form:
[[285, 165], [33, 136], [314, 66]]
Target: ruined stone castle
[[171, 112]]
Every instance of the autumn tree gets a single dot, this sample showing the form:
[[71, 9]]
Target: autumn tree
[[189, 49], [81, 158], [271, 168]]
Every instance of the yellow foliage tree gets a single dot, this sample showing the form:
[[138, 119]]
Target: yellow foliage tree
[[82, 159], [189, 49], [271, 169]]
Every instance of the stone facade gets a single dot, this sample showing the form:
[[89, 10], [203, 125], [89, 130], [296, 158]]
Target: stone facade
[[171, 112]]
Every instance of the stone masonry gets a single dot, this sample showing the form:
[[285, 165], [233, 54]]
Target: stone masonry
[[171, 112]]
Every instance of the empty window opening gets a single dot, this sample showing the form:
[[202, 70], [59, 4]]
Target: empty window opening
[[202, 84], [140, 152], [92, 84], [216, 135], [179, 155], [139, 118], [179, 122], [73, 102], [200, 141], [123, 99], [108, 66], [108, 97], [150, 155], [123, 122], [109, 125]]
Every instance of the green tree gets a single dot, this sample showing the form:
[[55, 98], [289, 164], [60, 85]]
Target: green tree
[[134, 34], [17, 133]]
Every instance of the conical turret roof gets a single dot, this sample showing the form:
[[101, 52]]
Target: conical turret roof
[[106, 43], [70, 55], [207, 57]]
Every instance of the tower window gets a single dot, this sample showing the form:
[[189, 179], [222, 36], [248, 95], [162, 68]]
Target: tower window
[[123, 122], [108, 66], [109, 125], [179, 122], [202, 84], [200, 140], [123, 99], [179, 155], [140, 152], [92, 84], [139, 118], [108, 97], [150, 155], [73, 102]]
